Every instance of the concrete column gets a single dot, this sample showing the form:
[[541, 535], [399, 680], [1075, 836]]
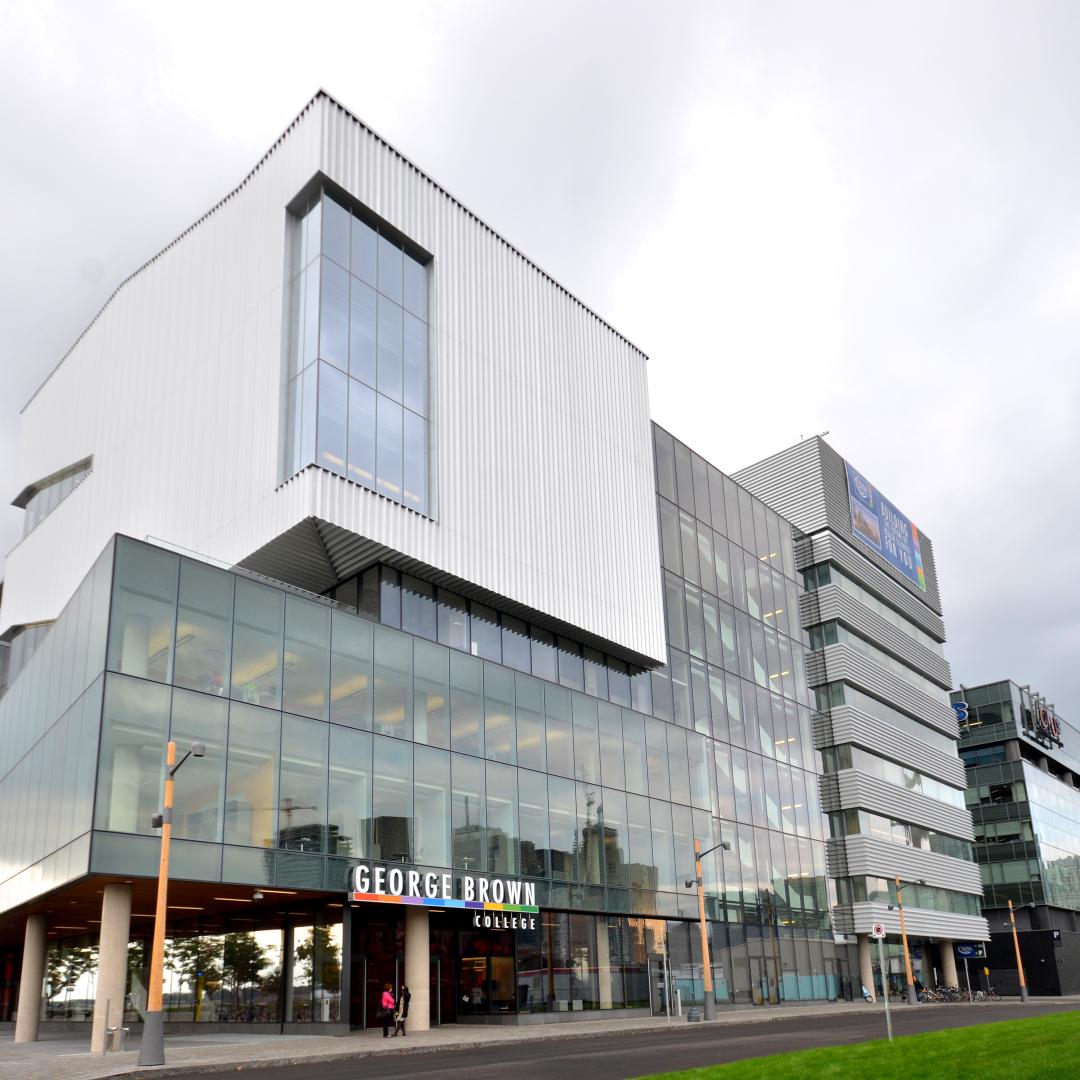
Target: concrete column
[[418, 967], [603, 961], [30, 983], [866, 965], [948, 963], [112, 963], [135, 645]]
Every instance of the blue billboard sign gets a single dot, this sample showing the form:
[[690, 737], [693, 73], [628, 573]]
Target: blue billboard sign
[[971, 951], [879, 525]]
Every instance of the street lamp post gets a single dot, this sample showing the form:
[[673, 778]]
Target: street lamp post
[[710, 1003], [152, 1047], [1019, 962], [911, 995]]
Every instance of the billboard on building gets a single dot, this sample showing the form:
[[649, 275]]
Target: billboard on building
[[879, 525]]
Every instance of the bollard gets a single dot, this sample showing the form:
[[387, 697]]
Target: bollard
[[693, 1015]]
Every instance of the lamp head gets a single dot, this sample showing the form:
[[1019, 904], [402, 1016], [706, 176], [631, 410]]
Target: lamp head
[[198, 749]]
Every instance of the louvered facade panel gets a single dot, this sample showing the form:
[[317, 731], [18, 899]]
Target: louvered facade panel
[[918, 922], [831, 602], [862, 855], [845, 724], [540, 444], [839, 662], [849, 789]]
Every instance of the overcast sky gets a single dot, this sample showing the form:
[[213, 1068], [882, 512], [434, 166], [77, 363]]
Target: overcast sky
[[859, 217]]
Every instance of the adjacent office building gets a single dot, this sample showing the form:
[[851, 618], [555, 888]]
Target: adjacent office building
[[893, 783], [1023, 775], [344, 487]]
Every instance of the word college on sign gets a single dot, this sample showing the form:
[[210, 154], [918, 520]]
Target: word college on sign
[[498, 903]]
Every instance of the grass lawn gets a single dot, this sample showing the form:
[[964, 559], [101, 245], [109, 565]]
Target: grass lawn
[[1047, 1048]]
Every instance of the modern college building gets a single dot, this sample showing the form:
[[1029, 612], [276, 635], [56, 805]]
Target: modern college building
[[893, 784], [344, 487], [1023, 779]]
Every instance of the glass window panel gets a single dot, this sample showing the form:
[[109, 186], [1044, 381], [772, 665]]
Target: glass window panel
[[560, 745], [307, 657], [363, 318], [562, 822], [467, 813], [311, 313], [432, 806], [302, 812], [614, 838], [364, 248], [418, 612], [684, 477], [136, 717], [635, 759], [665, 463], [388, 449], [688, 543], [466, 704], [453, 621], [334, 316], [695, 623], [502, 819], [414, 467], [590, 849], [431, 694], [486, 639], [391, 349], [618, 682], [143, 611], [700, 772], [258, 627], [657, 757], [390, 269], [531, 734], [571, 669], [586, 739], [204, 628], [642, 869], [415, 365], [678, 765], [499, 736], [675, 602], [416, 287], [392, 803], [333, 418], [662, 844], [349, 817], [543, 653], [701, 488], [596, 674], [309, 414], [515, 644], [393, 683], [198, 801], [670, 542], [335, 232], [350, 671], [611, 746], [533, 818], [251, 801], [682, 823], [740, 777], [361, 433], [725, 784]]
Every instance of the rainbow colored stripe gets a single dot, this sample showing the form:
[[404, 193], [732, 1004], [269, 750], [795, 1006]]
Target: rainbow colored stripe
[[436, 902]]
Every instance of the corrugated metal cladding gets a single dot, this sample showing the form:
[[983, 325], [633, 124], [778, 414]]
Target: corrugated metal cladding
[[541, 438], [850, 789], [879, 858], [807, 484], [859, 918]]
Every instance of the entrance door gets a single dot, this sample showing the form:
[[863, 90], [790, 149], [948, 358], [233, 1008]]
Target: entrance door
[[763, 982]]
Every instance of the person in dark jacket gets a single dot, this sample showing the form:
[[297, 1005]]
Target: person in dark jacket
[[401, 1013]]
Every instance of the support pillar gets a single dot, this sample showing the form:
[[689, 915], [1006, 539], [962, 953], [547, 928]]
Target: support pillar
[[28, 1016], [112, 964], [866, 966], [418, 967], [948, 963]]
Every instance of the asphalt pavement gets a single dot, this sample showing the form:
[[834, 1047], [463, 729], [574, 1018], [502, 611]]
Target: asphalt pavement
[[641, 1053]]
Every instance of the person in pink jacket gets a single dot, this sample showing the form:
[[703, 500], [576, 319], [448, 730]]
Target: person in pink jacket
[[386, 1010]]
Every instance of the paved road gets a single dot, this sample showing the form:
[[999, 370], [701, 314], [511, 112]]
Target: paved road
[[617, 1057]]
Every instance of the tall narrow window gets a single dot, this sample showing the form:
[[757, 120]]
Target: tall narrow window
[[358, 374]]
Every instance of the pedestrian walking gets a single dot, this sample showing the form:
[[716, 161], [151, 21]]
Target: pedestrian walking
[[401, 1012]]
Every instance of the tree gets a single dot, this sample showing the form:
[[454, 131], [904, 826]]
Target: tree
[[65, 966], [244, 959], [197, 964], [320, 958]]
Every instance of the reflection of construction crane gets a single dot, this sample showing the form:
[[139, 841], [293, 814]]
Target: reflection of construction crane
[[288, 806]]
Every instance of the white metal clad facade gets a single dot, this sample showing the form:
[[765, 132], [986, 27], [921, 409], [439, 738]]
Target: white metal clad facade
[[541, 444]]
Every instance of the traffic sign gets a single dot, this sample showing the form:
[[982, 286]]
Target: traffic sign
[[971, 950], [878, 931]]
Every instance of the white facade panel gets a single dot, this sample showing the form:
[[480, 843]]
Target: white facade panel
[[541, 441]]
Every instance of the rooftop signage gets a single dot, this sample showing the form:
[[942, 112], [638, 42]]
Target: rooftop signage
[[879, 525], [499, 903]]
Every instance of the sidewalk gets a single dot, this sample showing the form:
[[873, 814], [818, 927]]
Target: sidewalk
[[66, 1057]]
